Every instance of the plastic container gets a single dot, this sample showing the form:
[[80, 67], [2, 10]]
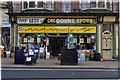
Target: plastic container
[[8, 54]]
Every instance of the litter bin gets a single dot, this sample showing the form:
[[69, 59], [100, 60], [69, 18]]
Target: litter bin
[[19, 55]]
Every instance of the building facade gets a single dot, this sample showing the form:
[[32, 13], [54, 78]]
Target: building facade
[[90, 23], [5, 26], [57, 6], [69, 6]]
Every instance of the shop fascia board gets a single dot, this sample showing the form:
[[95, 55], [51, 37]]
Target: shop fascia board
[[57, 24]]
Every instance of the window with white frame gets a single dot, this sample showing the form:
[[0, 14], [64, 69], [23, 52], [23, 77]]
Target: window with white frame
[[93, 4], [32, 4], [16, 7], [25, 5], [115, 6], [66, 6], [108, 5], [40, 4], [101, 4], [48, 5], [84, 4]]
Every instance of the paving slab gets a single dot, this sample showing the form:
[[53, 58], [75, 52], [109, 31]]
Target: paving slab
[[51, 64]]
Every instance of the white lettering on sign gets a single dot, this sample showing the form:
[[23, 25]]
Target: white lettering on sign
[[30, 20], [69, 21], [65, 21]]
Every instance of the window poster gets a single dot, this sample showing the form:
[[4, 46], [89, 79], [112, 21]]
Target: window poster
[[32, 40], [81, 40], [75, 40], [25, 40], [38, 40], [88, 40]]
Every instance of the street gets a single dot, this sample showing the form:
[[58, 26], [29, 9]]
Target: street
[[60, 73]]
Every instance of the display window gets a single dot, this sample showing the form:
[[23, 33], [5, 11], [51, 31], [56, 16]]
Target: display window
[[55, 42]]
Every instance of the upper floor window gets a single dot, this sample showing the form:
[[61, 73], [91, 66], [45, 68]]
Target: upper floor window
[[66, 6], [101, 4], [25, 5], [32, 4], [16, 7], [48, 5], [84, 4], [93, 4], [115, 6], [40, 4], [108, 5]]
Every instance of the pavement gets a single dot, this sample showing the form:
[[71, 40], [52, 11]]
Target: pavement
[[51, 64]]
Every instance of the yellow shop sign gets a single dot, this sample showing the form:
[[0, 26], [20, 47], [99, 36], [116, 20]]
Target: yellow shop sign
[[82, 29], [31, 29], [56, 29]]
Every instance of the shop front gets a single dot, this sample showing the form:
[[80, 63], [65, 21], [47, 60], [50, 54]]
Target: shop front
[[57, 33]]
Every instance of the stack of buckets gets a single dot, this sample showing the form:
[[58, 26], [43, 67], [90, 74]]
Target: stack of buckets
[[81, 55], [8, 54]]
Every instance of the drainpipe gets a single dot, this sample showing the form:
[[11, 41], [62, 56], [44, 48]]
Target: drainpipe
[[114, 40], [15, 36], [119, 43], [0, 22], [119, 39]]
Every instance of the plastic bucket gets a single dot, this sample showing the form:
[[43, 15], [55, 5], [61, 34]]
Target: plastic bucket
[[8, 54]]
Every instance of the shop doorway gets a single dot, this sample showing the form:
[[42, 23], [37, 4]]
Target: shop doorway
[[107, 42], [107, 45], [56, 44]]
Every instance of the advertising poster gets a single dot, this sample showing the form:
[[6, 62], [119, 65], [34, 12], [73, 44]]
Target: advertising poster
[[38, 40], [5, 22]]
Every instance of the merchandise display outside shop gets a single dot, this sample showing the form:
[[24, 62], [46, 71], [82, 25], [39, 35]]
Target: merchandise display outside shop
[[55, 42]]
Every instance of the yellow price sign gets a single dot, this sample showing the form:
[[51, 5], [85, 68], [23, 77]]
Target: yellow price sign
[[31, 29], [56, 29], [83, 29]]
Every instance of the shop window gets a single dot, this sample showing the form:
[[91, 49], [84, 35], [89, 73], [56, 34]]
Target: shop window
[[81, 40], [32, 4], [89, 40], [75, 40], [24, 40]]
